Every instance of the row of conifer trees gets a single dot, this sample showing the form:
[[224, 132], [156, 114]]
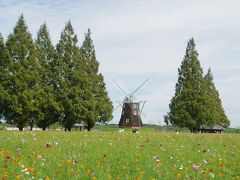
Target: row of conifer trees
[[41, 84], [196, 101]]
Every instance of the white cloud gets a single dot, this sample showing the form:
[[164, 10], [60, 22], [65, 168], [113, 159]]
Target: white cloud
[[139, 39]]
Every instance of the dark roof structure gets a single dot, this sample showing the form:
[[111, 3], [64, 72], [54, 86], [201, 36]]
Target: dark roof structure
[[212, 129]]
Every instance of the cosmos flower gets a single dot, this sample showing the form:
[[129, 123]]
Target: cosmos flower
[[48, 145]]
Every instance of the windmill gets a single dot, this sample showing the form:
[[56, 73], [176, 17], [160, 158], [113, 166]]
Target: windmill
[[131, 109]]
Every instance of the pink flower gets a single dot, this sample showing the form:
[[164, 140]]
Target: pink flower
[[22, 166], [48, 145]]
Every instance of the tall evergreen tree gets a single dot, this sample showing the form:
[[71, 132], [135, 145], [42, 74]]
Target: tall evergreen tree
[[23, 77], [6, 65], [48, 105], [70, 78], [187, 106], [214, 110], [101, 107], [1, 46], [2, 77]]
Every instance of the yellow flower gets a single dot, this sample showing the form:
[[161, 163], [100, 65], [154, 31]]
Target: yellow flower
[[88, 170], [47, 178], [178, 175], [17, 177], [109, 177], [99, 165], [69, 162], [7, 151]]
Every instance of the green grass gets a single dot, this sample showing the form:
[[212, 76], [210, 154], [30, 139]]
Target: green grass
[[114, 155]]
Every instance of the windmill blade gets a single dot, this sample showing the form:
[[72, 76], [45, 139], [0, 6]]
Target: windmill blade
[[142, 108], [138, 107], [119, 104], [122, 91], [139, 87]]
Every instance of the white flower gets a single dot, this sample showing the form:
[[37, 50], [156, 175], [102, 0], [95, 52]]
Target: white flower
[[205, 161], [24, 170], [211, 174], [195, 167]]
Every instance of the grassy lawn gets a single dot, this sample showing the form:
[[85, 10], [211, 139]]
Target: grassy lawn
[[114, 155]]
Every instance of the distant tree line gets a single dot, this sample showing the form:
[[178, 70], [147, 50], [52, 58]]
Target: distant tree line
[[41, 84], [196, 101]]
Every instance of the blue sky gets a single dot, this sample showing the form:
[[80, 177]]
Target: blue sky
[[138, 39]]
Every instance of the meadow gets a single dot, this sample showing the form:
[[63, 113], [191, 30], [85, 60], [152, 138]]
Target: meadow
[[113, 155]]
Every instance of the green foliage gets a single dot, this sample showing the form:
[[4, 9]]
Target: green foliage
[[215, 112], [21, 77], [187, 106], [71, 79], [41, 85], [48, 105], [2, 90], [232, 130], [196, 101], [100, 107]]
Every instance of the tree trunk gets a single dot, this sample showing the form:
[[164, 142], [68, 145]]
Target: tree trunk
[[20, 128], [69, 128], [31, 127], [44, 128]]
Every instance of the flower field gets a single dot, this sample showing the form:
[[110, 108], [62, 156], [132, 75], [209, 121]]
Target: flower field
[[114, 155]]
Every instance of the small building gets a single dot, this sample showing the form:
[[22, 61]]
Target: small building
[[79, 126], [212, 129]]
